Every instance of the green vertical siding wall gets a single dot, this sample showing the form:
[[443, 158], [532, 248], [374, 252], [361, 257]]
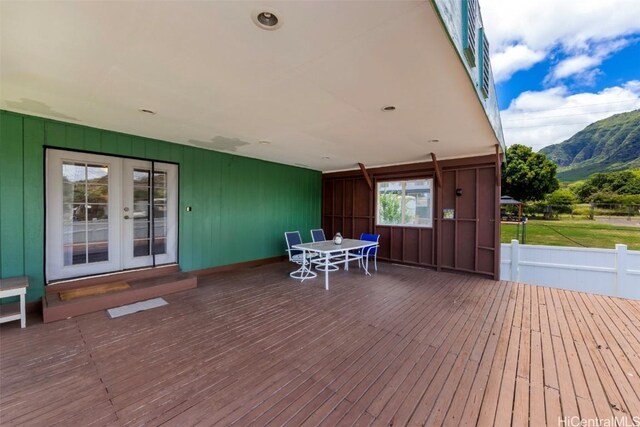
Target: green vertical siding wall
[[241, 206]]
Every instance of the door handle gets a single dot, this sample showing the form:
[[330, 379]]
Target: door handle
[[126, 217]]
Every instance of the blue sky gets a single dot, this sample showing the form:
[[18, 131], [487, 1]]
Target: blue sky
[[614, 71], [562, 64]]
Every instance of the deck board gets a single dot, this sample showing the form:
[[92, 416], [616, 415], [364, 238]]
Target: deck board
[[404, 346]]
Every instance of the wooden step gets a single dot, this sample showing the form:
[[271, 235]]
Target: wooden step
[[124, 276], [53, 308]]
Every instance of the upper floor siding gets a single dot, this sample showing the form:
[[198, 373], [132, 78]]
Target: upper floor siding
[[463, 21]]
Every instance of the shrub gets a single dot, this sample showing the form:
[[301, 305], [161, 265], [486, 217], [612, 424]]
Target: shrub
[[611, 198], [562, 201]]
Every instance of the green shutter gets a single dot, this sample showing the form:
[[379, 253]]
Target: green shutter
[[483, 63], [469, 30]]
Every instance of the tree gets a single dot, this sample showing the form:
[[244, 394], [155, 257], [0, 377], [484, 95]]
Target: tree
[[613, 183], [528, 176], [390, 212]]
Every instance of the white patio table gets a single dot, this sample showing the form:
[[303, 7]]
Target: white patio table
[[330, 255]]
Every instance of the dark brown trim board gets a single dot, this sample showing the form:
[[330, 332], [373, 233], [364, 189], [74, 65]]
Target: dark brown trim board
[[237, 266], [496, 219], [469, 242], [436, 166], [366, 175]]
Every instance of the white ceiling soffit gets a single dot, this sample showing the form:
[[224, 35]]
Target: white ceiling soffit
[[313, 88]]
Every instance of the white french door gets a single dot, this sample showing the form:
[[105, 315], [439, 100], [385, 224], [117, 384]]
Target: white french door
[[149, 228], [107, 214]]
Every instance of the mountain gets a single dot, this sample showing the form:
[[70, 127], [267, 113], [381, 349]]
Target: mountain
[[607, 145]]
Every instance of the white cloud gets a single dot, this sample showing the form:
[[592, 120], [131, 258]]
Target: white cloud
[[581, 29], [583, 64], [538, 119], [512, 59], [574, 65], [544, 23]]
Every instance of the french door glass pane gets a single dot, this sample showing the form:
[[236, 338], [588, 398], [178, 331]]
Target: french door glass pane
[[159, 212], [161, 245], [142, 215], [141, 247], [85, 213]]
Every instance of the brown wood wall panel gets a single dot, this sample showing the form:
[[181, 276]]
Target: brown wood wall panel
[[449, 190], [348, 198], [467, 242], [363, 197], [396, 244], [338, 197], [327, 198], [411, 245], [466, 204], [426, 247], [347, 203], [384, 251], [337, 225], [361, 225], [347, 228], [486, 209], [465, 250], [448, 244], [485, 260]]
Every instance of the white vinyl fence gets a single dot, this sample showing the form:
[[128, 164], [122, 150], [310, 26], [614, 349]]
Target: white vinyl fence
[[614, 272]]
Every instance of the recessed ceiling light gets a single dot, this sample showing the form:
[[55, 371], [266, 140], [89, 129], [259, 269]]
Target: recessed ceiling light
[[146, 111], [433, 140], [326, 157], [264, 142], [266, 19], [388, 108]]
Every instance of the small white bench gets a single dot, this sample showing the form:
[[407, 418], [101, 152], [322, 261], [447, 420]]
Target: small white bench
[[13, 287]]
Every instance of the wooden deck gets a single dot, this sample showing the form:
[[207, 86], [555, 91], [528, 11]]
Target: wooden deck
[[406, 346]]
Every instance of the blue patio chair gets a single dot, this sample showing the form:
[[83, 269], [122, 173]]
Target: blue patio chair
[[371, 251], [295, 255], [317, 235]]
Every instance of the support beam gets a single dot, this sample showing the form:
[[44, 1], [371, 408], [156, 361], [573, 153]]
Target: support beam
[[496, 219], [498, 164], [438, 216], [366, 176], [436, 165]]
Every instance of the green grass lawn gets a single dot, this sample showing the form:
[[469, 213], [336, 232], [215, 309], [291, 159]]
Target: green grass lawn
[[580, 233]]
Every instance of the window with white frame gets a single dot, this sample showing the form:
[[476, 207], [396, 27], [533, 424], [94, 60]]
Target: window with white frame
[[405, 203]]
